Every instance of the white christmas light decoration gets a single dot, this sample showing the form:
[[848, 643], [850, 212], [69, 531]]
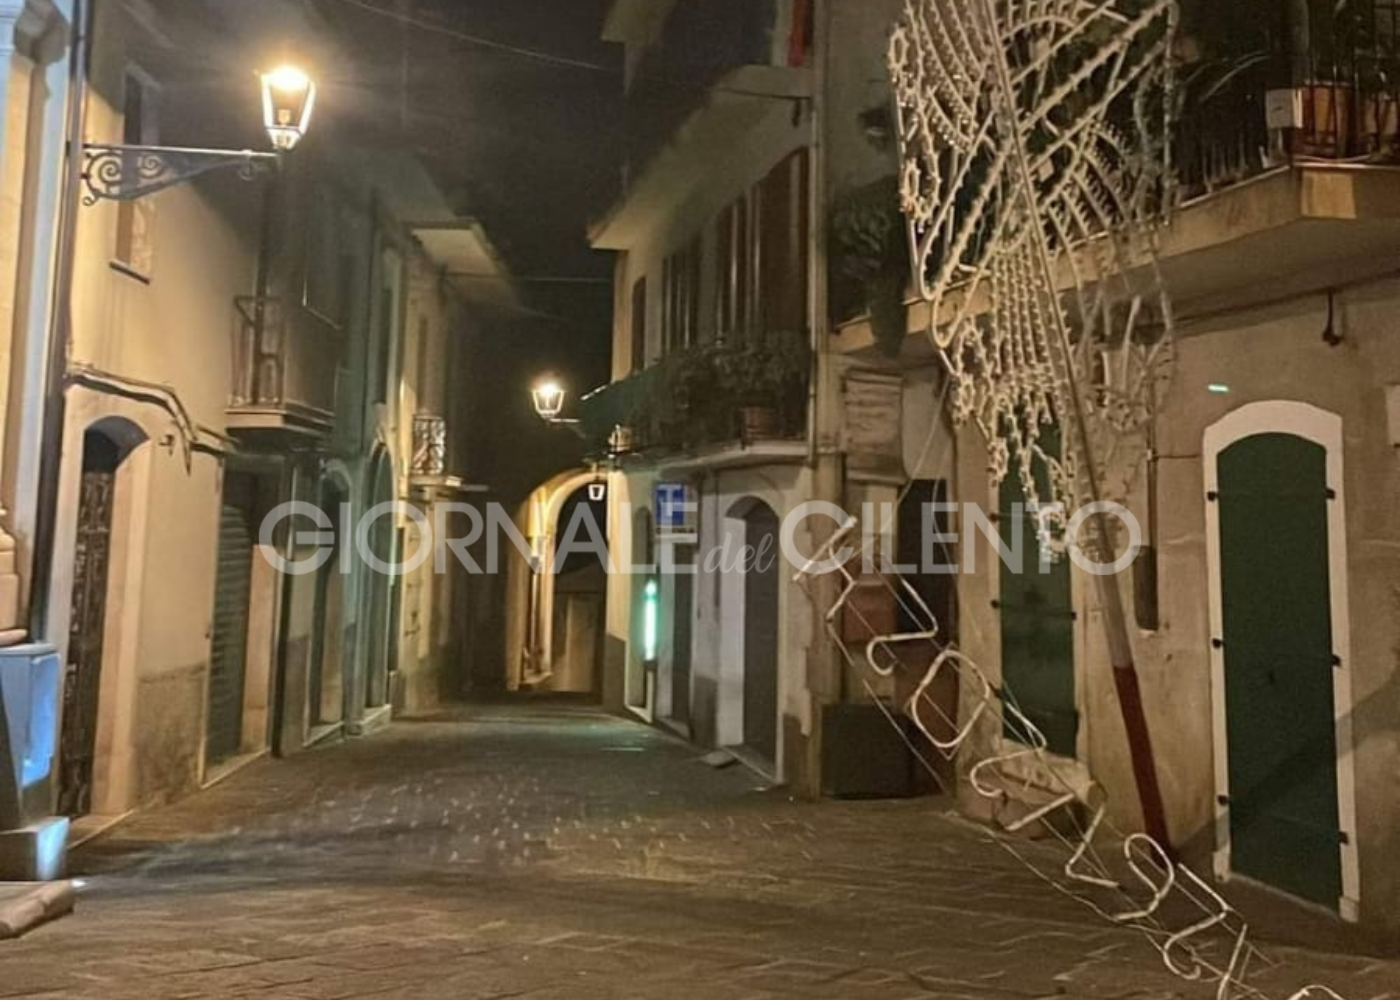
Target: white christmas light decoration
[[1034, 137]]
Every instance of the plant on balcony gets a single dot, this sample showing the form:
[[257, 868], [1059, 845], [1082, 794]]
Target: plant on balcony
[[750, 387], [870, 259], [1340, 57], [763, 378]]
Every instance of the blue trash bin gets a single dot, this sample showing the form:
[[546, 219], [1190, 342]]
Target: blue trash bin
[[33, 842]]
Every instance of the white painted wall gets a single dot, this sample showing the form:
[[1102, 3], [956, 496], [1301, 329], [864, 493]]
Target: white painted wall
[[172, 328]]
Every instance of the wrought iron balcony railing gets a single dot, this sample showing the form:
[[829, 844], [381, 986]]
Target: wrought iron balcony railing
[[285, 367], [713, 394], [429, 445], [1266, 83]]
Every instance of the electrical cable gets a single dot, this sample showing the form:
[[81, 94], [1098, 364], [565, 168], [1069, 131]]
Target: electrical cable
[[477, 40], [547, 58]]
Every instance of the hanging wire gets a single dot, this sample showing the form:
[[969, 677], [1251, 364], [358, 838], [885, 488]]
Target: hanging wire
[[549, 58]]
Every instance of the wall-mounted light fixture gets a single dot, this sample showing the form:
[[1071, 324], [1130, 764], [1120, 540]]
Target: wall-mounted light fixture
[[127, 173]]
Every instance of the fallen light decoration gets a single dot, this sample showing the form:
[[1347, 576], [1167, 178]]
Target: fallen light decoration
[[1035, 174], [1147, 880]]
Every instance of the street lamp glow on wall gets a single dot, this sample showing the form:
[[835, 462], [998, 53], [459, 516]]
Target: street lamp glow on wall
[[289, 97]]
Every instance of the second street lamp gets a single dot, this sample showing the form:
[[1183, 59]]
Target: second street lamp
[[549, 397], [127, 173]]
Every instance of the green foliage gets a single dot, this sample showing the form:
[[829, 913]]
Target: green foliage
[[869, 247], [692, 396]]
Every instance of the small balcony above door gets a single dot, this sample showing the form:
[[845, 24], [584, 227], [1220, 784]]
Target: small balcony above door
[[285, 368], [429, 446]]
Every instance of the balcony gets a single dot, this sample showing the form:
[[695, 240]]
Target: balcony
[[285, 365], [430, 475], [429, 446], [701, 43], [722, 71], [718, 405], [1272, 84], [1287, 155]]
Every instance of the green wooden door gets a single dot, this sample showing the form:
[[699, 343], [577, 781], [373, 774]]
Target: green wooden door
[[1277, 642], [1037, 629]]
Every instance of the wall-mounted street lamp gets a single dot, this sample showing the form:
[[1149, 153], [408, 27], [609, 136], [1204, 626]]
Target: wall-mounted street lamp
[[289, 97], [126, 173], [549, 396]]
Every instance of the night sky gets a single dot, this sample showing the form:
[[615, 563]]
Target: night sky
[[529, 146]]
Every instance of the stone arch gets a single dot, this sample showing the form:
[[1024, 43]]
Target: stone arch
[[531, 651]]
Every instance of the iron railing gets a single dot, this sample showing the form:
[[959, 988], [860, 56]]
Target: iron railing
[[429, 445], [286, 358], [711, 394], [1270, 82]]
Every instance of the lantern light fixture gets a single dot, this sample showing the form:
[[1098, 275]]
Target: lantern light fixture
[[289, 98], [549, 396], [127, 172]]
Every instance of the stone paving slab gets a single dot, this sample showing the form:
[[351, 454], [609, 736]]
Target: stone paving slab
[[27, 905], [520, 854]]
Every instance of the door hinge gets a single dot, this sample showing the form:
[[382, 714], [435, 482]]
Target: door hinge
[[1343, 837], [1331, 494], [1336, 661], [1213, 497], [1223, 800], [1217, 644]]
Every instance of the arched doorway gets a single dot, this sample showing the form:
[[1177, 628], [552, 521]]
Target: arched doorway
[[106, 445], [1281, 652], [580, 582], [760, 656]]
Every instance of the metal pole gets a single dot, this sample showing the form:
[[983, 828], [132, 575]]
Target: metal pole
[[1120, 647], [56, 369], [824, 671]]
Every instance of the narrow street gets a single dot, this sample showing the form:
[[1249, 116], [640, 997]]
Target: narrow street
[[555, 852]]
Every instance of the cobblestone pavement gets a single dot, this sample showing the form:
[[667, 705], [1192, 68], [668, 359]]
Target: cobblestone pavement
[[563, 854]]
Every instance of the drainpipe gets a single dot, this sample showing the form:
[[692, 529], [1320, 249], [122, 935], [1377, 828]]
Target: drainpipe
[[60, 333], [284, 627], [1300, 41], [824, 673], [362, 585]]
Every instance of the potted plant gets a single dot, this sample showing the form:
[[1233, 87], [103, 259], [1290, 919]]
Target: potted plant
[[870, 258], [762, 377]]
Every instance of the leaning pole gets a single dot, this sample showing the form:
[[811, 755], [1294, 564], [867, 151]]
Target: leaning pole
[[1030, 190]]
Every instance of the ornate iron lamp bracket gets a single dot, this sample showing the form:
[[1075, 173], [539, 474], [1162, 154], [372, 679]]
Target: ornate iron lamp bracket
[[126, 173]]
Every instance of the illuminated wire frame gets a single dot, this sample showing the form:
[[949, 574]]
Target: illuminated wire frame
[[1035, 176], [1129, 880]]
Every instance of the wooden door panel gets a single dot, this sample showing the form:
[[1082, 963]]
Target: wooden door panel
[[1279, 664]]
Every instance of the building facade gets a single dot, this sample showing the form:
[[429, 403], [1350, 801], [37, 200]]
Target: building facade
[[38, 65], [1264, 614], [762, 200], [725, 409], [227, 348]]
